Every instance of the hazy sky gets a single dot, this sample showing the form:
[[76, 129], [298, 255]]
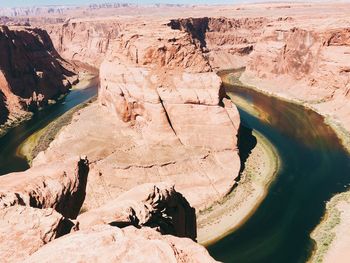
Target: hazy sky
[[11, 3]]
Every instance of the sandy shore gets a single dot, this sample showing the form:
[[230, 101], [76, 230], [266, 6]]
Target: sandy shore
[[223, 218], [332, 235]]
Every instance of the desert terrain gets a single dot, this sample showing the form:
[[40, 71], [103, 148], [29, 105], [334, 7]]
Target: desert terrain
[[153, 164]]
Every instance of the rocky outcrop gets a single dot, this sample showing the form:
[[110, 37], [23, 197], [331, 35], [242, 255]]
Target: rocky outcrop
[[105, 243], [36, 206], [226, 41], [164, 115], [158, 206], [178, 105], [31, 71], [154, 127], [309, 65], [175, 125], [92, 41], [24, 229], [60, 186]]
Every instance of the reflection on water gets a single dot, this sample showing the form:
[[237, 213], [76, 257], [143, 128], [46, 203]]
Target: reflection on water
[[9, 162], [315, 166]]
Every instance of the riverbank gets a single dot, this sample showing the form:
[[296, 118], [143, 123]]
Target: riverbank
[[331, 242], [332, 235], [14, 121], [223, 218], [234, 78], [41, 139]]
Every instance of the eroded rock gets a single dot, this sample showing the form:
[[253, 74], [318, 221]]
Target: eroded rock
[[105, 243], [61, 186], [24, 229], [31, 72], [155, 205]]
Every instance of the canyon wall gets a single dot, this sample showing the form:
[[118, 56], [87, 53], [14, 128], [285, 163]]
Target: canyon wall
[[226, 42], [91, 41], [287, 56], [31, 72], [309, 65]]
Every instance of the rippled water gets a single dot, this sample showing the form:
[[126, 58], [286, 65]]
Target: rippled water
[[315, 166]]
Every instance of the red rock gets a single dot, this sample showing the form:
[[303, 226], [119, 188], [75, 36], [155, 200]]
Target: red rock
[[156, 205], [23, 230], [31, 71], [60, 186], [105, 243]]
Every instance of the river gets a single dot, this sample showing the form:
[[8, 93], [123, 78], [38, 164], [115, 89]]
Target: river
[[315, 166], [9, 161]]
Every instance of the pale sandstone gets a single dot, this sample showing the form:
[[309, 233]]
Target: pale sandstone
[[59, 185], [23, 230], [158, 206], [105, 243]]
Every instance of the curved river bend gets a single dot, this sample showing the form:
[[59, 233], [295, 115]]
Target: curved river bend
[[9, 161], [315, 166]]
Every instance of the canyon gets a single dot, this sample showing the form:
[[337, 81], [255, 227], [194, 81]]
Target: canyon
[[162, 120], [31, 73]]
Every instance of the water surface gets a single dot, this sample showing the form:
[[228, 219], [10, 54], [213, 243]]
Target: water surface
[[9, 161], [315, 166]]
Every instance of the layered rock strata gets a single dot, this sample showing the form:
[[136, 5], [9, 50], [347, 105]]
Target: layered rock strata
[[47, 186], [154, 126], [38, 206], [92, 41], [31, 72], [157, 206], [305, 64]]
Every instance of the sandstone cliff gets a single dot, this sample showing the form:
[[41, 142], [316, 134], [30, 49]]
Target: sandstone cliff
[[158, 206], [175, 127], [37, 206], [226, 41], [92, 41], [162, 112], [31, 72], [309, 65], [127, 230]]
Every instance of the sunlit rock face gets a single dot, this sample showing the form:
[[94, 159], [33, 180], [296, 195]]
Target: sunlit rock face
[[105, 243], [162, 112]]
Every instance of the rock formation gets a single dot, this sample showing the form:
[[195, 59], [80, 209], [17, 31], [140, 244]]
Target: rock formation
[[92, 41], [154, 127], [36, 206], [158, 206], [31, 72], [24, 229], [59, 185], [105, 243], [308, 64]]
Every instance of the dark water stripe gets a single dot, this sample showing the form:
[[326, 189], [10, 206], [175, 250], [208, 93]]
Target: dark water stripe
[[9, 161], [315, 166]]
